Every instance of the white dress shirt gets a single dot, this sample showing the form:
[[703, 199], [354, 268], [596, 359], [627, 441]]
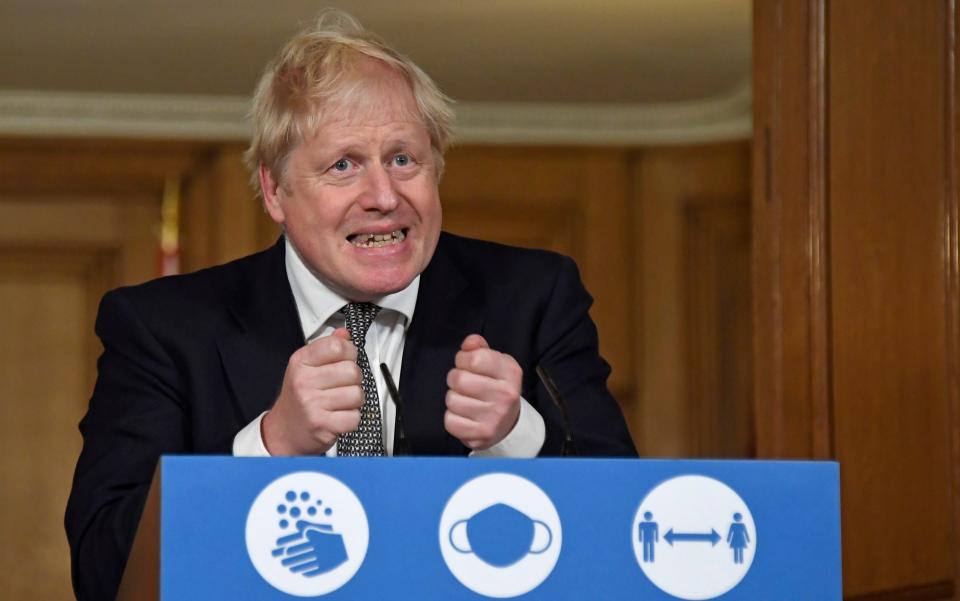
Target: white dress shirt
[[319, 310]]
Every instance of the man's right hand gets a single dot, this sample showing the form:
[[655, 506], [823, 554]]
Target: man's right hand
[[320, 398]]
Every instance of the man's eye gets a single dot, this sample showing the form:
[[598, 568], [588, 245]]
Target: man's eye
[[401, 160], [341, 165]]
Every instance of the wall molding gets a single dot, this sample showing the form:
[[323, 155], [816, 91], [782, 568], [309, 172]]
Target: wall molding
[[73, 114], [722, 118], [725, 117]]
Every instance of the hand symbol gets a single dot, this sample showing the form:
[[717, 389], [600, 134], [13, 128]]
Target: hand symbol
[[312, 550]]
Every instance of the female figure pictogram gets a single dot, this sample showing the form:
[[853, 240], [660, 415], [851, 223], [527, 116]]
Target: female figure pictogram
[[737, 537]]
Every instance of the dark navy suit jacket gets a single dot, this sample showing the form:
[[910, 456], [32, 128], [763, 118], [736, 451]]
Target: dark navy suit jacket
[[190, 360]]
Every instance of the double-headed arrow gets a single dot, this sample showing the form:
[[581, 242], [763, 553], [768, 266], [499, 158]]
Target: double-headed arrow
[[712, 537]]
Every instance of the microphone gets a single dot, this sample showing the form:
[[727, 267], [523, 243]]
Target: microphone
[[569, 447], [400, 436]]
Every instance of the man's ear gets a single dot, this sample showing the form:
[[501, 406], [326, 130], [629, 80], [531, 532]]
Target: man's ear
[[270, 188]]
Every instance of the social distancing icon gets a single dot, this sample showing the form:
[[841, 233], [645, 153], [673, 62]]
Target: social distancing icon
[[694, 537]]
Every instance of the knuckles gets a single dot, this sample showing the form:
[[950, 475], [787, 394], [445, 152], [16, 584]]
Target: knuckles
[[298, 382], [328, 349], [321, 395], [454, 378], [450, 424], [515, 371], [475, 361], [486, 431], [353, 370], [296, 359], [343, 373], [355, 396], [335, 346], [494, 364], [450, 401], [352, 421]]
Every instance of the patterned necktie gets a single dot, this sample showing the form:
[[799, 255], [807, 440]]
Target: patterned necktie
[[367, 439]]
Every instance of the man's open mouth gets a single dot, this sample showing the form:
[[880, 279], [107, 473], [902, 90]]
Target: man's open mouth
[[377, 240]]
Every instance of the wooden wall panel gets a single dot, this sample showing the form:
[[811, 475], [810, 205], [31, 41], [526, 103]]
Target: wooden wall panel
[[222, 217], [855, 220], [58, 254], [198, 218], [93, 166], [608, 266], [951, 257], [671, 185], [45, 376], [886, 146], [39, 416], [484, 196], [790, 283], [718, 329], [77, 217], [237, 210]]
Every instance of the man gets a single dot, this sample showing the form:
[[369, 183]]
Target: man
[[277, 353]]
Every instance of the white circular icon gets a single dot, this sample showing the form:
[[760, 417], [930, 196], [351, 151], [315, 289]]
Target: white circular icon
[[307, 534], [694, 537], [500, 535]]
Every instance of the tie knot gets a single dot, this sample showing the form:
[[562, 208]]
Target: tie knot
[[359, 316]]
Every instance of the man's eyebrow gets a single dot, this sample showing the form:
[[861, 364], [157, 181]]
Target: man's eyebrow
[[398, 144], [337, 148]]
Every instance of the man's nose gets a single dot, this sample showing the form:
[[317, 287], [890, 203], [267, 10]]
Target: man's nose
[[381, 193]]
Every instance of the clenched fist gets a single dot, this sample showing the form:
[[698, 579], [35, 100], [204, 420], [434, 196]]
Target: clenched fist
[[483, 400], [320, 398]]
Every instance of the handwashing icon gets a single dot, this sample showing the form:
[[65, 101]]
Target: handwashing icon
[[313, 550], [306, 534], [500, 535]]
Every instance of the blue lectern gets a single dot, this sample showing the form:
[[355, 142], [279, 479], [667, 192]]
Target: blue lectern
[[456, 528]]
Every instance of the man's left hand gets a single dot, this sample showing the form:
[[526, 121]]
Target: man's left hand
[[483, 400]]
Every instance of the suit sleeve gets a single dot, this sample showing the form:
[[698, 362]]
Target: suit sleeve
[[135, 415], [568, 348]]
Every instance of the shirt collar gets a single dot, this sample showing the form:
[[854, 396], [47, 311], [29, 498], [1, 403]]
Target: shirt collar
[[317, 303]]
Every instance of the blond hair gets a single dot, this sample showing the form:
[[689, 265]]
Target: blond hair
[[315, 69]]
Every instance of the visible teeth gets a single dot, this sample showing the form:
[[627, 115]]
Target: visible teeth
[[378, 240]]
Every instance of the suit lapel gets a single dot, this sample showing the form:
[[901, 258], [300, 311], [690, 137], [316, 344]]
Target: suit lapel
[[268, 331], [447, 310]]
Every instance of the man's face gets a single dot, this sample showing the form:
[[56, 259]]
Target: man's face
[[359, 201]]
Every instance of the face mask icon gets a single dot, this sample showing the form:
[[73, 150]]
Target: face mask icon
[[500, 535]]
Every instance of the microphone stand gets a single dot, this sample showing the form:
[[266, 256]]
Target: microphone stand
[[400, 436], [569, 447]]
